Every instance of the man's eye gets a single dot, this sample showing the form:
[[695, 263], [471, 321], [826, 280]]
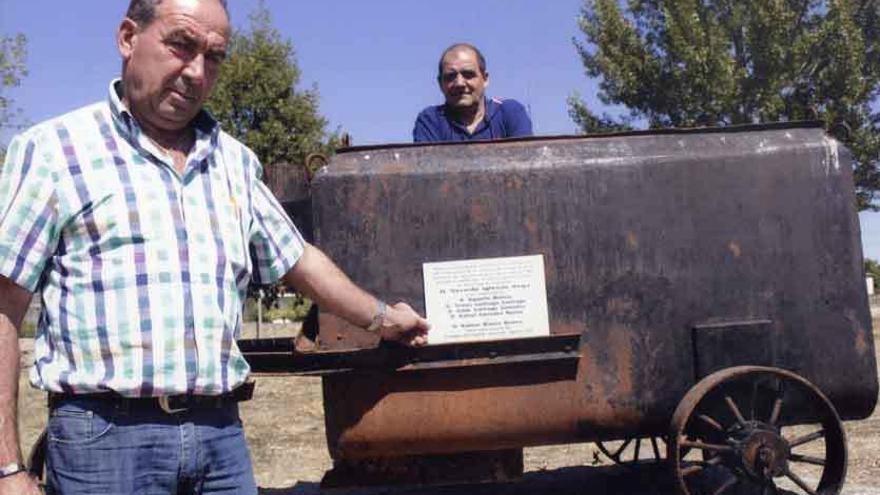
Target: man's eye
[[181, 45], [466, 74], [216, 58]]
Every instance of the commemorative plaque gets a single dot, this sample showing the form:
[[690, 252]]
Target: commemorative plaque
[[486, 299]]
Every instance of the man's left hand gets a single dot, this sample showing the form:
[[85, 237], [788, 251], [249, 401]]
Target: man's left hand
[[402, 324]]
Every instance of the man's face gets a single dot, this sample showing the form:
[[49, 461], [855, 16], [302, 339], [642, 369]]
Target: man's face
[[171, 64], [461, 80]]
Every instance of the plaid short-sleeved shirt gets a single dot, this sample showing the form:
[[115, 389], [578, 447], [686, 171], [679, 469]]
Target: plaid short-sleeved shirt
[[141, 272]]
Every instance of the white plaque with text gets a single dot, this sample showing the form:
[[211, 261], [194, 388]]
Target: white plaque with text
[[486, 299]]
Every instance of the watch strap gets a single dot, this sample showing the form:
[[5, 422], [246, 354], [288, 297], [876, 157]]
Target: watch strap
[[11, 469], [378, 317]]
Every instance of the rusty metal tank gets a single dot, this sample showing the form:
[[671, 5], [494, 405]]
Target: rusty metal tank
[[669, 255]]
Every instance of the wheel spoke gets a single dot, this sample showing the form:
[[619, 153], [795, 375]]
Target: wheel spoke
[[636, 451], [799, 482], [727, 484], [656, 449], [692, 444], [735, 410], [616, 455], [697, 466], [807, 459], [807, 438], [711, 422], [777, 408]]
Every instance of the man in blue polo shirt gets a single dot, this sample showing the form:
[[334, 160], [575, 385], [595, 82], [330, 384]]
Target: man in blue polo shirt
[[468, 114]]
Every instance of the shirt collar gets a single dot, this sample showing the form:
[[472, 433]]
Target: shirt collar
[[492, 106], [206, 126]]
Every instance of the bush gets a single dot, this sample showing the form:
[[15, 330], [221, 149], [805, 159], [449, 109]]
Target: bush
[[280, 307]]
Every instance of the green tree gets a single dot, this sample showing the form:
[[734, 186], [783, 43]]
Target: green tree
[[13, 52], [256, 99], [719, 62]]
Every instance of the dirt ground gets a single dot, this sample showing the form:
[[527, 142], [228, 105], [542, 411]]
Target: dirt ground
[[285, 427]]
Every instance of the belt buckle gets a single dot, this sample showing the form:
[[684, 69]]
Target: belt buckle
[[163, 404]]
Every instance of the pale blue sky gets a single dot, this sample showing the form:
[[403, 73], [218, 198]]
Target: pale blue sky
[[373, 61]]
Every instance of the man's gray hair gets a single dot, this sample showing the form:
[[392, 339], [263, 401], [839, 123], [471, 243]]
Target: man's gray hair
[[144, 11]]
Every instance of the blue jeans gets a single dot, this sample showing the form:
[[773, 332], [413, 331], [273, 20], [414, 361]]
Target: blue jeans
[[97, 447]]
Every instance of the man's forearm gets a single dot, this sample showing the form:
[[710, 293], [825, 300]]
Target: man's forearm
[[9, 357], [14, 301], [316, 276]]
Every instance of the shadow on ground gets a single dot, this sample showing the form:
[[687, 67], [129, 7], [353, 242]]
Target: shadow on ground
[[564, 481]]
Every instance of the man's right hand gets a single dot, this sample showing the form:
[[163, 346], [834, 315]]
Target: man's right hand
[[20, 484], [402, 324]]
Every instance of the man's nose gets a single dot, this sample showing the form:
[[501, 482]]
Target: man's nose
[[194, 71]]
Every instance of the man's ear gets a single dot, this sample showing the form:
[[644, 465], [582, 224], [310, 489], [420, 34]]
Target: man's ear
[[486, 78], [126, 36]]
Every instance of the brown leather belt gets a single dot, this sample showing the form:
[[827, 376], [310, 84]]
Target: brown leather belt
[[170, 404]]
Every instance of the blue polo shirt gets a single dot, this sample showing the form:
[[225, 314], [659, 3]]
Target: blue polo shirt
[[504, 118]]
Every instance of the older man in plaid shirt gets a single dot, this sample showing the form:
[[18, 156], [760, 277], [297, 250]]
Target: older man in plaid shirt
[[139, 223]]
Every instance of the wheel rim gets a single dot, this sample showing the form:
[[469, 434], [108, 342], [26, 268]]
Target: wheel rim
[[758, 428]]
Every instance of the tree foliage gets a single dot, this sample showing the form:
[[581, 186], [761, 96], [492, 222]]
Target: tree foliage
[[689, 63], [13, 52], [256, 99]]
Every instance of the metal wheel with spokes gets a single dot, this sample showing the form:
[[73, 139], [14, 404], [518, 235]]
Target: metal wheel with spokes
[[634, 451], [752, 429]]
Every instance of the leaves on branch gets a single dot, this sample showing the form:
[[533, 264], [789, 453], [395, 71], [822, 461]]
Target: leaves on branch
[[685, 63]]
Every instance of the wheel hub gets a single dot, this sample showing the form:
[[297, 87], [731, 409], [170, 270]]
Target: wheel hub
[[763, 452]]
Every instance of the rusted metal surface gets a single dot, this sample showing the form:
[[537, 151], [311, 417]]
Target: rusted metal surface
[[451, 410], [649, 239], [279, 355]]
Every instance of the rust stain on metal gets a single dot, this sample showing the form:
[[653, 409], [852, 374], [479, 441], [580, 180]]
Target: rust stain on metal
[[735, 249], [446, 188], [621, 354], [632, 241], [862, 343], [514, 182], [483, 210], [532, 227], [607, 377], [568, 327], [621, 306]]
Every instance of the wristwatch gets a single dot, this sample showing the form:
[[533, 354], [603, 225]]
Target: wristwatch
[[10, 469], [378, 318]]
